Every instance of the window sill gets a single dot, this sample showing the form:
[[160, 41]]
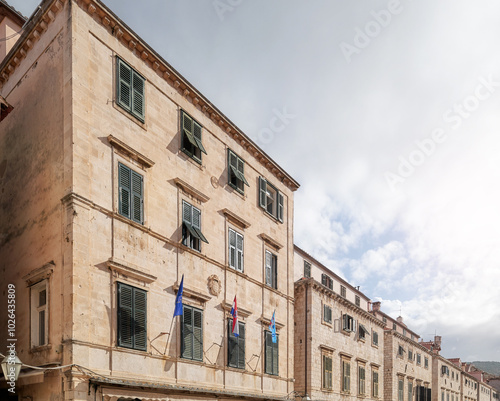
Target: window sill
[[190, 157], [326, 323], [327, 390], [375, 345], [40, 348], [272, 217], [237, 191], [130, 116], [235, 369]]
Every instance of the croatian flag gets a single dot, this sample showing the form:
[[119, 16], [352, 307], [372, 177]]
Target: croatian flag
[[234, 313], [272, 328]]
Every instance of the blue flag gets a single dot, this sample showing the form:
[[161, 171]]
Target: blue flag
[[234, 313], [178, 299], [272, 328]]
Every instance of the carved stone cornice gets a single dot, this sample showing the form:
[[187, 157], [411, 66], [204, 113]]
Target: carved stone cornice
[[123, 148]]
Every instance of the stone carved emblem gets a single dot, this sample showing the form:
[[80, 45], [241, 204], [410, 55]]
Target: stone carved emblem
[[214, 285]]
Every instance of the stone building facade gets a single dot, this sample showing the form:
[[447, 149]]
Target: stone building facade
[[339, 349], [445, 380], [407, 369], [119, 178]]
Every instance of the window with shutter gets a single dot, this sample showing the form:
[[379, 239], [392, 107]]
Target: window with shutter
[[191, 227], [271, 270], [400, 390], [410, 391], [130, 90], [327, 314], [362, 331], [271, 200], [343, 292], [361, 380], [130, 194], [132, 317], [327, 372], [357, 300], [192, 333], [348, 323], [191, 143], [375, 338], [236, 172], [375, 384], [346, 376], [236, 346], [235, 250], [307, 269], [271, 357]]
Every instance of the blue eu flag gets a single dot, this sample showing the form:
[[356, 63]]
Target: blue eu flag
[[178, 299]]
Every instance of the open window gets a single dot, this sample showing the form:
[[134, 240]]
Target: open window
[[191, 137], [270, 199], [236, 172], [191, 227]]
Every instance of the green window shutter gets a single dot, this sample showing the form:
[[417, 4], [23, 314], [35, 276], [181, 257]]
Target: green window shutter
[[196, 217], [232, 346], [124, 190], [269, 353], [137, 198], [197, 136], [197, 225], [197, 335], [241, 346], [187, 130], [187, 332], [269, 262], [239, 252], [138, 95], [280, 207], [124, 85], [262, 193], [275, 355], [140, 319], [232, 248], [240, 167], [275, 271], [349, 377], [125, 327], [186, 212]]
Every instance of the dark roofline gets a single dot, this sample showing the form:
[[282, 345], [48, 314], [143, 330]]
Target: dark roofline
[[6, 10], [264, 159], [300, 250], [294, 185], [395, 321]]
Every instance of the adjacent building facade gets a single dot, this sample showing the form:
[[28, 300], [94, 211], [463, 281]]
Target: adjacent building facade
[[339, 346], [119, 179]]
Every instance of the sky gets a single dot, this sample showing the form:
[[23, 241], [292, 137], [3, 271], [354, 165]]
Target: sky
[[387, 114]]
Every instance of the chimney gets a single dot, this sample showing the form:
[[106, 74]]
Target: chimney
[[400, 319], [376, 306]]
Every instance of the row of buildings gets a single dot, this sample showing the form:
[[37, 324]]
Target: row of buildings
[[118, 178]]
